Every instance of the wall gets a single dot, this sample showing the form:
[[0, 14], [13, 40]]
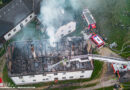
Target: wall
[[16, 29], [51, 77]]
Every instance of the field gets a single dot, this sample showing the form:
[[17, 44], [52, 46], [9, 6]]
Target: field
[[126, 86], [0, 1], [113, 22]]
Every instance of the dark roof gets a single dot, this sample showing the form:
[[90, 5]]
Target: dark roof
[[37, 5], [12, 14], [22, 62], [125, 77]]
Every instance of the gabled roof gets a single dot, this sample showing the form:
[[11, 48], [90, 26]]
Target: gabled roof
[[13, 13]]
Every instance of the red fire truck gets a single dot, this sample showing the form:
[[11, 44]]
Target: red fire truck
[[89, 19], [97, 40]]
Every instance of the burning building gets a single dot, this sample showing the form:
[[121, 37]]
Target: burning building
[[37, 61]]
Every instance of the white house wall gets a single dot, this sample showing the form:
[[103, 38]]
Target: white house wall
[[65, 30], [51, 77], [16, 29]]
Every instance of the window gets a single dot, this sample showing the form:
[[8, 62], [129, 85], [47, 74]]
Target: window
[[55, 78], [32, 76], [71, 76], [22, 80], [34, 80], [46, 78], [63, 77], [81, 76], [55, 73], [69, 31], [82, 71], [14, 30], [31, 16], [20, 77], [26, 20], [64, 73], [21, 25], [44, 74], [9, 34]]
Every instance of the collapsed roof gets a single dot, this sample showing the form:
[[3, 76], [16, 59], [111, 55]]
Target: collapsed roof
[[37, 57]]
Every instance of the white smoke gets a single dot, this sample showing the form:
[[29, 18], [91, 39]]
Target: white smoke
[[53, 15]]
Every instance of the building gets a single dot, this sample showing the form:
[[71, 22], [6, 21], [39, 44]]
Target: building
[[15, 15], [65, 30], [37, 61]]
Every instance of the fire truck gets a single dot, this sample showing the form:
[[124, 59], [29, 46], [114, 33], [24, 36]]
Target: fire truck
[[89, 18], [97, 40]]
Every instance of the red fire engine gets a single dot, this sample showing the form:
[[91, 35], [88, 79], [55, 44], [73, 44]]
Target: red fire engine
[[97, 40], [89, 19]]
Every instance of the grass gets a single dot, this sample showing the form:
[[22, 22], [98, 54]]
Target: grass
[[113, 20], [6, 79], [106, 88], [1, 2], [98, 66], [126, 85], [3, 49]]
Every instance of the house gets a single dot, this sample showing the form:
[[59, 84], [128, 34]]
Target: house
[[15, 15], [49, 64], [65, 30]]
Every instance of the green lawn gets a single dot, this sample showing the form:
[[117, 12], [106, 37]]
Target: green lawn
[[6, 79], [126, 86], [113, 21], [3, 49], [0, 1]]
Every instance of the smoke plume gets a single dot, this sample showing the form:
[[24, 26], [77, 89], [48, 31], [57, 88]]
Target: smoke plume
[[53, 14]]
